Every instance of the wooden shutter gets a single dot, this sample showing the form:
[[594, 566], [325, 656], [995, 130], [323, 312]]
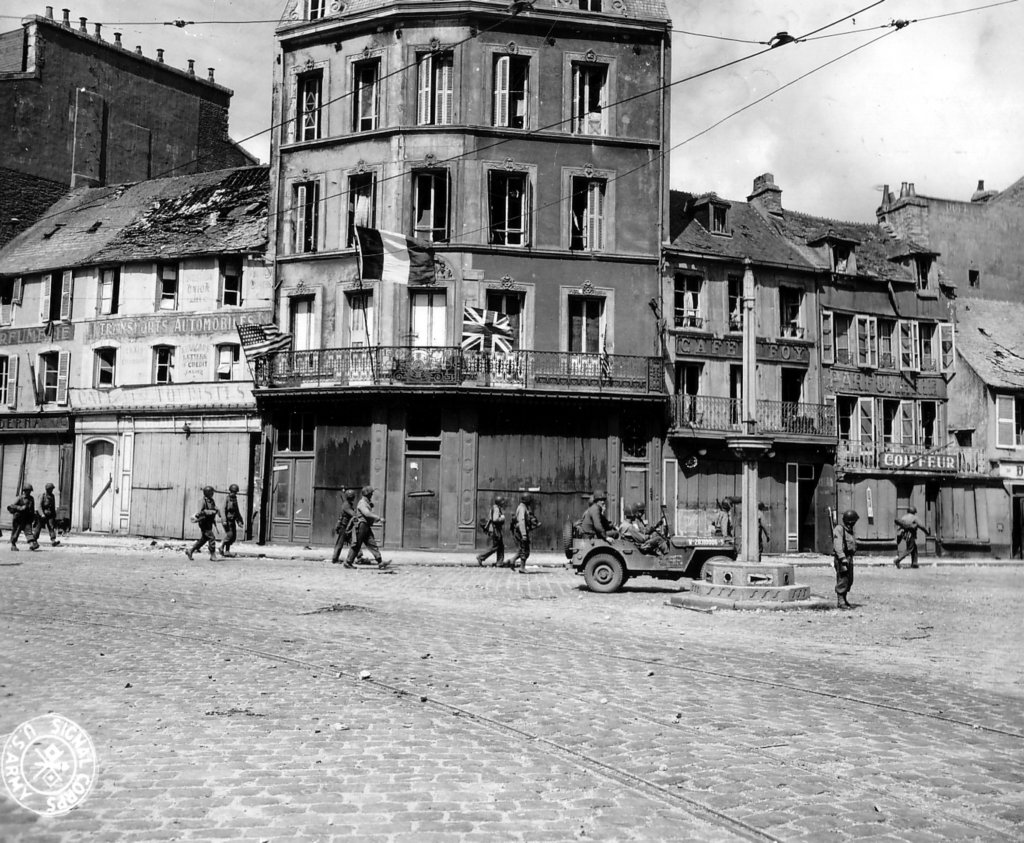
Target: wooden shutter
[[12, 381], [423, 102], [1005, 422], [300, 218], [44, 298], [66, 294], [947, 347], [17, 291], [445, 90], [291, 115], [576, 95], [828, 348], [866, 420], [501, 90], [905, 414], [595, 215], [527, 209], [6, 313], [63, 373]]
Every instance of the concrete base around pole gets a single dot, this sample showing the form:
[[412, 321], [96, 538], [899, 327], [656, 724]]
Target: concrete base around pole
[[739, 585]]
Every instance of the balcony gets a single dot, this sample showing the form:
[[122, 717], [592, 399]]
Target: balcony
[[914, 459], [444, 368], [713, 415]]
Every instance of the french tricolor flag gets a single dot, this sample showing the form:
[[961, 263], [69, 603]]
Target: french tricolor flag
[[388, 256]]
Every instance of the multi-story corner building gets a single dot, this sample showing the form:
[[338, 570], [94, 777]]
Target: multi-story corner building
[[982, 251], [887, 356], [713, 241], [81, 109], [121, 378], [525, 143]]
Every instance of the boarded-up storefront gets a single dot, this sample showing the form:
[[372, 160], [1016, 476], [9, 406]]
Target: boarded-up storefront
[[36, 450]]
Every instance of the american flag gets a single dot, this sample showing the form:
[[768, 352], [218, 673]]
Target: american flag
[[261, 340], [486, 330]]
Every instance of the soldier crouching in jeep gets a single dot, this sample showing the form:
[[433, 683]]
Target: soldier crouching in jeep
[[634, 527]]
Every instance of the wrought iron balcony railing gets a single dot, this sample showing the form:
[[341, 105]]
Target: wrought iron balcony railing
[[444, 366], [893, 456], [713, 414]]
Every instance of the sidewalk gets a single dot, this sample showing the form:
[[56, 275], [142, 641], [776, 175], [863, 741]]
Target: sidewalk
[[463, 558]]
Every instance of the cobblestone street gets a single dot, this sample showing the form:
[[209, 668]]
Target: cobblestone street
[[282, 699]]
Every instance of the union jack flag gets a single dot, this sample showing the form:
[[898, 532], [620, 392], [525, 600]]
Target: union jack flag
[[486, 330]]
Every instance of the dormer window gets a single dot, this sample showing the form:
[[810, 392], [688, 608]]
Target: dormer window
[[842, 258], [719, 219], [922, 266]]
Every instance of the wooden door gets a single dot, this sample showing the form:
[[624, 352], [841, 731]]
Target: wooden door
[[634, 490], [421, 518], [291, 497], [100, 487]]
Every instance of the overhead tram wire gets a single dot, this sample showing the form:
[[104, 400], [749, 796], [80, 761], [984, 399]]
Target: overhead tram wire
[[899, 23]]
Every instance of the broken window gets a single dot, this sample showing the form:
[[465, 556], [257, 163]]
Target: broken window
[[110, 291], [687, 300], [54, 370], [231, 282], [167, 286], [104, 368], [790, 307], [163, 364], [228, 362], [735, 303]]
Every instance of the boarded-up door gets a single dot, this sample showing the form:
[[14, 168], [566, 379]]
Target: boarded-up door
[[99, 488], [421, 518], [291, 499]]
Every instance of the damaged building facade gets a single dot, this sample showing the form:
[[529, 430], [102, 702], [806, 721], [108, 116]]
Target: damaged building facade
[[70, 123], [535, 171], [121, 376]]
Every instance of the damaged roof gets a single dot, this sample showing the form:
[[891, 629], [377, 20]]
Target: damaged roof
[[220, 212], [990, 339], [750, 236]]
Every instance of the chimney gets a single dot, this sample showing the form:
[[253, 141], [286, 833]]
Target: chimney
[[981, 185], [910, 190], [209, 74], [160, 55], [49, 12], [903, 190], [98, 27], [82, 24], [117, 40], [191, 67], [766, 195], [138, 49], [67, 17]]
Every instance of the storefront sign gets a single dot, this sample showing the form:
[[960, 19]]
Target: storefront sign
[[42, 423], [55, 332], [1011, 470], [135, 327], [772, 351], [187, 396], [898, 461], [880, 383]]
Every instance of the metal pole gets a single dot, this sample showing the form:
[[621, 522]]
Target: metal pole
[[748, 548]]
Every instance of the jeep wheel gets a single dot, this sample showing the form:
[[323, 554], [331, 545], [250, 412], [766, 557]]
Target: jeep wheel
[[604, 573], [567, 538]]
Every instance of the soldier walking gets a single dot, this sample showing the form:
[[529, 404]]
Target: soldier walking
[[343, 528], [525, 522], [908, 525], [362, 528], [47, 516], [206, 518], [496, 533], [844, 547], [24, 512], [232, 520]]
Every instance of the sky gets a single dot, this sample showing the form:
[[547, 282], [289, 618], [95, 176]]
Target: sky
[[938, 102]]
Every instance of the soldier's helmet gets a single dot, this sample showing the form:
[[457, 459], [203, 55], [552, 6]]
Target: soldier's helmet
[[207, 490], [499, 500], [526, 497], [912, 510], [350, 494], [850, 517], [600, 495], [49, 487], [367, 491], [639, 508], [233, 488], [27, 487], [628, 510]]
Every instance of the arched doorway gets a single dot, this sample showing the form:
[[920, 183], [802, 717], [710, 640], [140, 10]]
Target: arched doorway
[[99, 488]]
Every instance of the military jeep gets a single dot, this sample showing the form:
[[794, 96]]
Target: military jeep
[[608, 563]]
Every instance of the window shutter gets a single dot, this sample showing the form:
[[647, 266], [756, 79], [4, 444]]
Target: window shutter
[[576, 96], [425, 71], [527, 209], [44, 298], [291, 115], [17, 291], [66, 294], [63, 373], [947, 347], [12, 381], [873, 341], [1004, 421], [501, 90], [300, 218], [375, 96], [866, 411], [828, 348], [445, 91], [595, 216], [6, 314]]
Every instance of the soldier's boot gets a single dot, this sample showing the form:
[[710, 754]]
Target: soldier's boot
[[896, 562], [841, 602], [188, 553], [13, 546], [55, 543], [33, 545]]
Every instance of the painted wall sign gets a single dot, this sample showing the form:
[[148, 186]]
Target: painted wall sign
[[57, 332], [899, 461], [772, 351], [880, 383], [1011, 470], [165, 396], [133, 327], [42, 423]]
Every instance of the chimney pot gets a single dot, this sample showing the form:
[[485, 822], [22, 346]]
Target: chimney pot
[[210, 73], [160, 55], [903, 189], [191, 67], [49, 12], [98, 26], [981, 184], [138, 49], [910, 190], [117, 40], [82, 24], [67, 17]]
